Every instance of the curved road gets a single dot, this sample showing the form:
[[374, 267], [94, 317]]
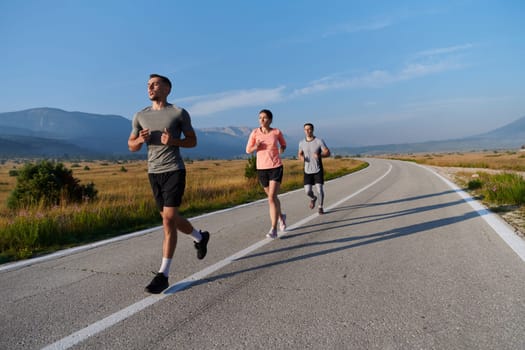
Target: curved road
[[401, 260]]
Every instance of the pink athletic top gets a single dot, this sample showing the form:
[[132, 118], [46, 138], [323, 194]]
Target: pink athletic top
[[268, 151]]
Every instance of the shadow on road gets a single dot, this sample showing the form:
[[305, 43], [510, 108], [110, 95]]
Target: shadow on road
[[345, 243], [371, 218], [368, 205]]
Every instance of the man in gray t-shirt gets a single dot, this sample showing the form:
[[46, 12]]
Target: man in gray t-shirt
[[161, 127], [175, 120], [311, 151]]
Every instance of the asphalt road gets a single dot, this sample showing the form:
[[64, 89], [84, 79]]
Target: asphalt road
[[400, 261]]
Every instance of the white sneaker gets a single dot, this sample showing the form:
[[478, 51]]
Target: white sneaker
[[282, 222], [272, 234]]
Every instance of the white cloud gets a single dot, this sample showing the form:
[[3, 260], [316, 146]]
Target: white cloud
[[454, 102], [444, 50], [376, 78], [416, 70], [372, 25], [209, 104], [365, 27]]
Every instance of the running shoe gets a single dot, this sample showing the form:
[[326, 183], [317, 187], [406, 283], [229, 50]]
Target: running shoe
[[202, 246], [282, 222], [272, 234], [312, 203], [321, 211], [157, 284]]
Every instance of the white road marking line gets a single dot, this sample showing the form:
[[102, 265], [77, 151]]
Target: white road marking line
[[121, 315], [504, 230], [79, 249], [66, 252]]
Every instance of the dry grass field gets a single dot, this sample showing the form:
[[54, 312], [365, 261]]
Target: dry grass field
[[207, 180], [125, 202], [498, 160]]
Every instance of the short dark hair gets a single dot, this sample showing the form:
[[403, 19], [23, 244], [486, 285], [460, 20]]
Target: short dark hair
[[308, 124], [267, 112], [163, 78]]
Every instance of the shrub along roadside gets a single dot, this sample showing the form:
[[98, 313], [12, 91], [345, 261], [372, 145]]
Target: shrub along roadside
[[48, 183], [499, 189]]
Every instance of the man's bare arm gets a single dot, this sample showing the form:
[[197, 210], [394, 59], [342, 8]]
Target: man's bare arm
[[135, 141], [189, 140]]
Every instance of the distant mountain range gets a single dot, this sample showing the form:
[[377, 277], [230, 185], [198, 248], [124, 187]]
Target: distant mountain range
[[51, 132], [54, 133], [510, 136]]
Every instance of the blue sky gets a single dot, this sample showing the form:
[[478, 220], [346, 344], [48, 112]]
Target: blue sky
[[364, 72]]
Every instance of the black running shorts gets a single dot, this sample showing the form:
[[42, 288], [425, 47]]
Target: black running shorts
[[168, 188], [267, 175], [312, 179]]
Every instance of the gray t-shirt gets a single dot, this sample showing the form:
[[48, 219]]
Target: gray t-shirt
[[162, 158], [312, 164]]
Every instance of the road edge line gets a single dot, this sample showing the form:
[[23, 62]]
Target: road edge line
[[504, 230]]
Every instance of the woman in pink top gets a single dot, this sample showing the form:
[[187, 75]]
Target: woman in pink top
[[269, 143]]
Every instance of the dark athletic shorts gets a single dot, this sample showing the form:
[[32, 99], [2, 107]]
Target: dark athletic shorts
[[168, 188], [312, 179], [267, 175]]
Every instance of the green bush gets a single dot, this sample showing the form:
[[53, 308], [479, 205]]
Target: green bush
[[250, 171], [474, 184], [48, 183]]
